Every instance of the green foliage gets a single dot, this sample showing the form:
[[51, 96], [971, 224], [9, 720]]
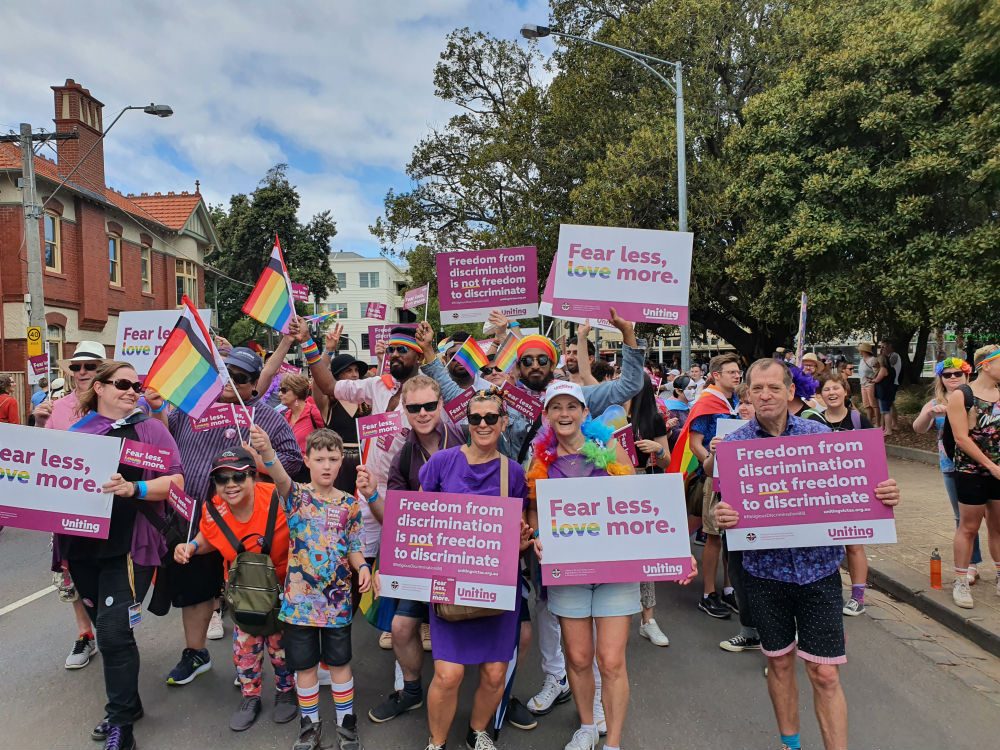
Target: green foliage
[[246, 232]]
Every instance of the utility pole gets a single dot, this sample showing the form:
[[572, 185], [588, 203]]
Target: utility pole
[[35, 298]]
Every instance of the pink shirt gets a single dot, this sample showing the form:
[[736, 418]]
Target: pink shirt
[[64, 413]]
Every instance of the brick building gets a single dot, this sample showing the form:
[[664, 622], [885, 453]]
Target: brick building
[[102, 252]]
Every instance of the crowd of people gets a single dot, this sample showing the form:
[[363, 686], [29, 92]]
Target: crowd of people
[[299, 492]]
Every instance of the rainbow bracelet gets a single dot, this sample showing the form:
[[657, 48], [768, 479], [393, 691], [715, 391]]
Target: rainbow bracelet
[[311, 352]]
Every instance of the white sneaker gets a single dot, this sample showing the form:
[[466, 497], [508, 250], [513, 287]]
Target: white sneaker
[[216, 630], [998, 585], [553, 693], [651, 632], [972, 575], [83, 648], [961, 594], [599, 720], [583, 739]]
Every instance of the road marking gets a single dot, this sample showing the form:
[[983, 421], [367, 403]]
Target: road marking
[[26, 600]]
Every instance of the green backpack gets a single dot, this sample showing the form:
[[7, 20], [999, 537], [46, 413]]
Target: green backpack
[[253, 591]]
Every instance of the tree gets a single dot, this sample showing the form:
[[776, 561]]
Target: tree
[[246, 233]]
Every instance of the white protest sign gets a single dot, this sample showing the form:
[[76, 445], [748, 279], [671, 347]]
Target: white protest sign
[[52, 480], [141, 335]]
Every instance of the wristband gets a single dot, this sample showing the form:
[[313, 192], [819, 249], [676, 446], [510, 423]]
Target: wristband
[[513, 324], [365, 565], [535, 534], [372, 499], [661, 452], [311, 352], [140, 490], [270, 463], [195, 543], [162, 407]]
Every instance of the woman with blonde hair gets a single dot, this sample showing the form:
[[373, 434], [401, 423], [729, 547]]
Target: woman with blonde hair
[[300, 412]]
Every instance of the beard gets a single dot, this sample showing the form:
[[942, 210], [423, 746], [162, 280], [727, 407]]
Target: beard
[[399, 370], [573, 367], [538, 382]]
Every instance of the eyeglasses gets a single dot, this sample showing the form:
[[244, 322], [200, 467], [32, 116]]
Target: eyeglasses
[[397, 349], [430, 407], [477, 419], [240, 378], [123, 384], [239, 477], [88, 366], [950, 375], [528, 360]]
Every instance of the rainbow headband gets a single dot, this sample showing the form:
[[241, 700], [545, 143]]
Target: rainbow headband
[[952, 363], [537, 341], [401, 339], [988, 358]]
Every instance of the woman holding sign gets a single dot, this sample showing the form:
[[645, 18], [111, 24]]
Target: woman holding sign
[[473, 469], [112, 575]]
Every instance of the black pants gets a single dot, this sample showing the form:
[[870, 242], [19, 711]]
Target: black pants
[[104, 588], [737, 577]]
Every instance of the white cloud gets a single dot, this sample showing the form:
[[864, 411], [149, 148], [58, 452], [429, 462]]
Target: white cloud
[[252, 84]]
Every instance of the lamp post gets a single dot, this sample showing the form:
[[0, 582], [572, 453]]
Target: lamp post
[[534, 31]]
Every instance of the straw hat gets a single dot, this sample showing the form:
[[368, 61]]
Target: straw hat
[[866, 348], [810, 357]]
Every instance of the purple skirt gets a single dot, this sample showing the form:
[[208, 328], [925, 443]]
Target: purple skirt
[[488, 639]]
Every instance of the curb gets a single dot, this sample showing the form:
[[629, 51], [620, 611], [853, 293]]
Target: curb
[[911, 454]]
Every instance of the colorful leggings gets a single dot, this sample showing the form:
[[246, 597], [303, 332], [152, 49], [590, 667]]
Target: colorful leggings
[[248, 658]]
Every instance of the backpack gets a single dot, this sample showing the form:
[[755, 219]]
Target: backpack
[[253, 591], [947, 436]]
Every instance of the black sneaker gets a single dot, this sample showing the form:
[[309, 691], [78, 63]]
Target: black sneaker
[[519, 716], [712, 606], [479, 740], [192, 664], [120, 738], [100, 732], [244, 716], [286, 707], [730, 601], [739, 643], [310, 735], [347, 734], [396, 704]]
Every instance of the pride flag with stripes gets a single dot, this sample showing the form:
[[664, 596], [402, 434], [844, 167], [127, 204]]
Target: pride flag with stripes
[[270, 302], [506, 356], [472, 357], [682, 458], [186, 371]]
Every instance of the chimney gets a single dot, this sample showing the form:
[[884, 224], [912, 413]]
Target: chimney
[[76, 109]]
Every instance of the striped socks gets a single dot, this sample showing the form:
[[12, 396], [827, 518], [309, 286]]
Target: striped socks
[[308, 702], [343, 699]]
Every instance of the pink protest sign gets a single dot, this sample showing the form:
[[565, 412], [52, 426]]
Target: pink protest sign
[[300, 292], [39, 364], [456, 408], [618, 529], [380, 334], [220, 415], [378, 425], [626, 439], [416, 297], [180, 501], [563, 311], [472, 284], [451, 549], [806, 491], [145, 456], [286, 369], [521, 401], [376, 310], [643, 273]]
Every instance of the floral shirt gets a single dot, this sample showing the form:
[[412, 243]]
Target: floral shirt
[[985, 434], [801, 565], [321, 534]]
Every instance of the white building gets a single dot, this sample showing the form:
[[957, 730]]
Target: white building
[[361, 280]]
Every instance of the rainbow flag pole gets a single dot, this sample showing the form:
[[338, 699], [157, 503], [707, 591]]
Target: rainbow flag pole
[[271, 301], [800, 344]]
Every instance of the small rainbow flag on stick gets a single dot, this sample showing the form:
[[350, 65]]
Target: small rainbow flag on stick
[[506, 356], [270, 302], [471, 356], [322, 317], [186, 371]]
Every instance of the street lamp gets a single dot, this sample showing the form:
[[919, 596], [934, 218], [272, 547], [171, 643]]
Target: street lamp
[[534, 31]]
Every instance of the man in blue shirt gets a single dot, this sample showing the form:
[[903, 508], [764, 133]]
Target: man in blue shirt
[[794, 593], [41, 394]]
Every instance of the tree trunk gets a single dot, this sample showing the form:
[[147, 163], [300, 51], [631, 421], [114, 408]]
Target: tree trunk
[[919, 355]]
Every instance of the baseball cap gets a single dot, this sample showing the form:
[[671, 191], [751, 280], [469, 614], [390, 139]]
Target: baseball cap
[[675, 373], [245, 359], [237, 459], [564, 388]]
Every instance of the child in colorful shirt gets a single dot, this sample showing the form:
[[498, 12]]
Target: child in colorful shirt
[[324, 532]]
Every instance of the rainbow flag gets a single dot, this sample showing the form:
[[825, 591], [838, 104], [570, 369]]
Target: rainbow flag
[[322, 317], [682, 458], [506, 356], [270, 302], [186, 371], [471, 356]]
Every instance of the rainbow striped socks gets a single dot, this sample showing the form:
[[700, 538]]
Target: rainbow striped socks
[[343, 699], [308, 701]]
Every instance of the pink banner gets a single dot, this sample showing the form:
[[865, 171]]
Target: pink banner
[[181, 502], [38, 365], [626, 439], [380, 334], [376, 310], [416, 297], [58, 522], [300, 292], [451, 548], [456, 408], [521, 401], [145, 456], [471, 284], [806, 491], [220, 415], [287, 369], [377, 425]]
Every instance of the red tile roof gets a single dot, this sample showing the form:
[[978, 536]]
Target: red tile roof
[[171, 210]]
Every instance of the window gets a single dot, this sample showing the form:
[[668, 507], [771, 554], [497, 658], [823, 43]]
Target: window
[[364, 340], [187, 280], [115, 260], [364, 309], [53, 248], [339, 307], [54, 338], [341, 280], [369, 279], [146, 262]]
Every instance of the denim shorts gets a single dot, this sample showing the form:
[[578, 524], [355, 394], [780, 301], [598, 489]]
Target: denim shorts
[[594, 600], [308, 645]]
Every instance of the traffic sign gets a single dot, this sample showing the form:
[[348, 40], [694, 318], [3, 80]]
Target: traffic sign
[[34, 341]]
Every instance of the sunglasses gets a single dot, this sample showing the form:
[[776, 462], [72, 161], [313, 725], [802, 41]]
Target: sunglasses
[[123, 385], [239, 477], [283, 389], [528, 360], [397, 349], [240, 378], [951, 375], [89, 367], [477, 419], [430, 407]]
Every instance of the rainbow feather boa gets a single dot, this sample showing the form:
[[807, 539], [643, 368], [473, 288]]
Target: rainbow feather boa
[[598, 450]]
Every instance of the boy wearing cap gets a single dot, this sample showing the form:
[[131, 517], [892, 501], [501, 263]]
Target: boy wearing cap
[[243, 504], [324, 529]]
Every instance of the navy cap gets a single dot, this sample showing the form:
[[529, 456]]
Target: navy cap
[[245, 359]]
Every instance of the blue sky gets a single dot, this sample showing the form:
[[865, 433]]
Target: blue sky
[[341, 91]]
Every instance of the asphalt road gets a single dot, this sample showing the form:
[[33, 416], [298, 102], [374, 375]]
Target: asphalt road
[[690, 695]]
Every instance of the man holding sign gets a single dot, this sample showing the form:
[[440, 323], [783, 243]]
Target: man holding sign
[[793, 592]]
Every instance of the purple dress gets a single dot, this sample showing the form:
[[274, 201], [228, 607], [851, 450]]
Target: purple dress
[[488, 639]]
